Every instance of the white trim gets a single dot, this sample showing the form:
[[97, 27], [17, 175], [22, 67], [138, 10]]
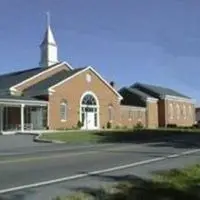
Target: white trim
[[51, 89], [151, 100], [19, 102], [22, 117], [13, 88], [48, 115], [133, 108], [179, 99], [1, 118], [97, 106]]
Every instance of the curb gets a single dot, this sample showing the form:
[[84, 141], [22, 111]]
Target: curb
[[36, 138], [39, 140]]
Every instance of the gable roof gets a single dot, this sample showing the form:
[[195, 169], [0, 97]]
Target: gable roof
[[27, 77], [51, 89], [10, 79], [14, 78], [41, 87], [158, 91]]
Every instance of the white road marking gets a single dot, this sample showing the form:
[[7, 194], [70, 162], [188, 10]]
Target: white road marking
[[173, 156], [82, 175], [190, 152]]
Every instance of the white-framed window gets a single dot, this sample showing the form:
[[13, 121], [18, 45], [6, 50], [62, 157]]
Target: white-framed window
[[110, 113], [130, 115], [184, 112], [171, 111], [178, 111], [63, 110], [190, 112]]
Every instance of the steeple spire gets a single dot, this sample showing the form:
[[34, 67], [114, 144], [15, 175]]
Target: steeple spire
[[48, 19], [48, 47]]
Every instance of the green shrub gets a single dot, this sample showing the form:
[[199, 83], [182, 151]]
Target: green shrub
[[171, 126], [117, 127], [125, 127], [139, 125], [109, 125], [79, 124]]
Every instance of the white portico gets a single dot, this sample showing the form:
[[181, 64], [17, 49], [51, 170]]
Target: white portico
[[17, 115]]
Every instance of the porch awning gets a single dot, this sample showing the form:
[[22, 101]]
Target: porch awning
[[19, 100]]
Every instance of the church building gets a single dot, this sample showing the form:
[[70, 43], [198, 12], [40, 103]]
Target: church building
[[55, 95]]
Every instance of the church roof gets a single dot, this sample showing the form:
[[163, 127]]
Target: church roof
[[139, 93], [10, 79], [157, 91], [133, 97], [41, 88]]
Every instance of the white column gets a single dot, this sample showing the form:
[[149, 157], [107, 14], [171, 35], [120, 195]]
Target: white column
[[1, 118], [22, 117]]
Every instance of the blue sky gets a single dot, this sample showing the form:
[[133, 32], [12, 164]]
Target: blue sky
[[150, 41]]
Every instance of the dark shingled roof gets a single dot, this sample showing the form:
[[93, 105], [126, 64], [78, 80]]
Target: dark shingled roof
[[157, 91], [138, 92], [133, 97], [41, 88], [11, 79]]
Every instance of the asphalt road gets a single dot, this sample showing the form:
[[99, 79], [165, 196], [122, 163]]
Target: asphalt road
[[45, 162]]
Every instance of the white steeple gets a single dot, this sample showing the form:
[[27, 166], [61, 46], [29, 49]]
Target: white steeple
[[48, 47]]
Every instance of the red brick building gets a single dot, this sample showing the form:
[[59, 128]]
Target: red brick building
[[55, 95]]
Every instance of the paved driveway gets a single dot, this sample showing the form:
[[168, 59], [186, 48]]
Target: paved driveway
[[13, 143]]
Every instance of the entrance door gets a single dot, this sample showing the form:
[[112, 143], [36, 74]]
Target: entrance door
[[89, 120], [89, 111]]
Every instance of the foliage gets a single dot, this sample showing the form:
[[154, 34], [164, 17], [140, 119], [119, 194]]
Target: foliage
[[171, 185], [117, 127], [139, 125], [124, 127], [109, 125], [171, 126], [79, 124]]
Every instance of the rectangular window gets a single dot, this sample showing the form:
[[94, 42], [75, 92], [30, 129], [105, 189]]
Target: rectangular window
[[130, 115], [63, 112], [110, 113]]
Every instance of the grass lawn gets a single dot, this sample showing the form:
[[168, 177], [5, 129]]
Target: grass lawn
[[171, 185], [126, 135], [73, 136]]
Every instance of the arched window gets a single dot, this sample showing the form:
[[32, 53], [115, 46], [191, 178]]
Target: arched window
[[89, 111], [178, 112], [88, 100], [63, 110], [171, 111]]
